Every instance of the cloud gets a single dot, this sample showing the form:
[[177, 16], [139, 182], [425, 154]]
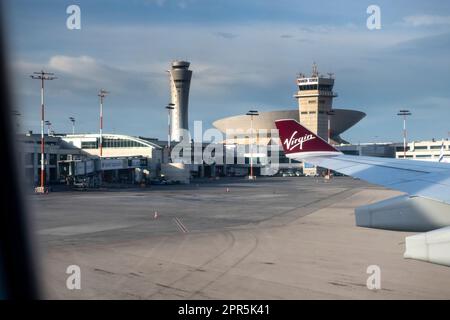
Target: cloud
[[87, 73], [226, 35], [133, 94], [426, 20], [436, 45], [181, 4], [257, 68], [159, 3], [83, 67]]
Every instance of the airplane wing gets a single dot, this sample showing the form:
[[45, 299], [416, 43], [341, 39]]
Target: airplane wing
[[426, 206]]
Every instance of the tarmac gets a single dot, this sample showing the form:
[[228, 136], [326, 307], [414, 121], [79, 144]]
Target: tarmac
[[273, 238]]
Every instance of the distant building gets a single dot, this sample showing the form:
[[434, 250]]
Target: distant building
[[382, 149], [180, 81], [425, 150], [342, 120]]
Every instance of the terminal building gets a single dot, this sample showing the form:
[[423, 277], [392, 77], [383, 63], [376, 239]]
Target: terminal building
[[68, 158], [124, 158], [57, 156]]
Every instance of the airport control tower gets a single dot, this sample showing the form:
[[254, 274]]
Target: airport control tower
[[315, 98], [180, 80]]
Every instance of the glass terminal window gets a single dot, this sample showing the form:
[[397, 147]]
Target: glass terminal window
[[89, 145], [122, 143]]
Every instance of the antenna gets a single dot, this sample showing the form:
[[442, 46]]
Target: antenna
[[315, 71]]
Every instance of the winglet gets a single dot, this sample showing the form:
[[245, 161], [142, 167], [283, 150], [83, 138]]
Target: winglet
[[297, 139]]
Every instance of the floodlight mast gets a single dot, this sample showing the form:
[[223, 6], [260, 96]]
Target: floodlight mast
[[42, 76], [251, 113], [404, 114], [102, 94], [72, 119]]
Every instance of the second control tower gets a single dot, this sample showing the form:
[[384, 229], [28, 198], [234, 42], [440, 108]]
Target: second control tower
[[315, 98], [180, 80]]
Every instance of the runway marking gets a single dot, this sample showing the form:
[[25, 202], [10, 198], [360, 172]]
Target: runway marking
[[83, 229], [180, 225]]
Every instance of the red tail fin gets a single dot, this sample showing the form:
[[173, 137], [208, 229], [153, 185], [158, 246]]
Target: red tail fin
[[296, 139]]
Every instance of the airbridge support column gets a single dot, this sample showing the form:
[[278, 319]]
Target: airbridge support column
[[176, 172]]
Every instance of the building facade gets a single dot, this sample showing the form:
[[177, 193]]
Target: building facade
[[425, 150], [124, 158], [56, 152], [383, 150], [69, 158]]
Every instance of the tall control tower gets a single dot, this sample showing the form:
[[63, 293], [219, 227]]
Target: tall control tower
[[180, 81], [315, 98]]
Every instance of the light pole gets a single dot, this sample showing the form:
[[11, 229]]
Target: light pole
[[330, 113], [251, 113], [404, 113], [43, 76], [72, 119], [169, 108], [48, 124], [102, 94]]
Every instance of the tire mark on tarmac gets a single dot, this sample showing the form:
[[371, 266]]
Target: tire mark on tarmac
[[142, 258], [309, 207], [255, 245], [242, 258], [171, 285]]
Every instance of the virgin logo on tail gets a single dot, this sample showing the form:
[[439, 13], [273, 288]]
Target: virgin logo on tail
[[294, 142]]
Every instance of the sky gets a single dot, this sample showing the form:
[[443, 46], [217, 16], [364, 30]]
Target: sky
[[245, 54]]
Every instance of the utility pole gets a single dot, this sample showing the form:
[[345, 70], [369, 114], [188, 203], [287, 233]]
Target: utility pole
[[17, 114], [169, 108], [251, 113], [102, 94], [72, 119], [42, 76], [404, 113], [330, 113]]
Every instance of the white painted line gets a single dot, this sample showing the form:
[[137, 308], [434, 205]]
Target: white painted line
[[180, 225]]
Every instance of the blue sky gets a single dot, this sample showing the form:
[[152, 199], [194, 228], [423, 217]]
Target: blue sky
[[244, 54]]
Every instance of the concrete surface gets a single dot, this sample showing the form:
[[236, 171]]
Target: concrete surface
[[274, 238]]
